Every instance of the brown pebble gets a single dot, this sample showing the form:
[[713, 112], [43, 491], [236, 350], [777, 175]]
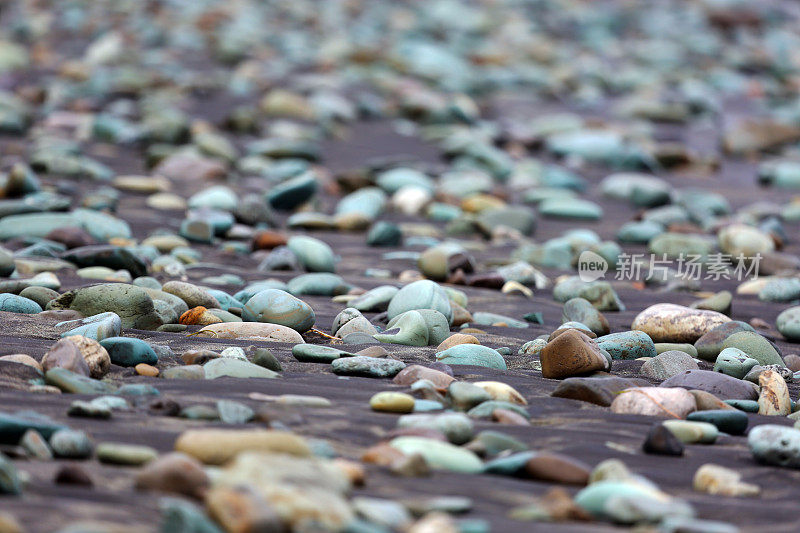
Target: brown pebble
[[267, 240], [72, 474], [413, 373], [455, 339], [557, 468], [143, 369]]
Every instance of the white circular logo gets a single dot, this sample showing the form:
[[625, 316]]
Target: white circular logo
[[591, 266]]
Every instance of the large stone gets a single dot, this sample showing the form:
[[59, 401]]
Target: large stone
[[253, 331], [422, 294], [667, 364], [597, 390], [775, 445], [675, 323], [133, 305], [756, 346], [570, 354], [711, 343], [655, 401], [774, 397], [275, 306], [720, 385], [218, 446]]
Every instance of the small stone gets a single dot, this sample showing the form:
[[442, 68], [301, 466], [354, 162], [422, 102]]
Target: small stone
[[557, 468], [734, 362], [674, 323], [231, 412], [440, 455], [456, 339], [124, 454], [472, 354], [127, 351], [715, 479], [174, 472], [457, 428], [581, 310], [502, 392], [413, 373], [774, 399], [253, 331], [775, 445], [627, 345], [572, 353], [732, 422], [392, 402], [236, 368], [655, 401], [35, 445], [367, 367], [661, 441], [667, 364], [690, 432], [710, 344], [217, 446], [756, 346], [88, 410], [71, 444], [73, 474], [144, 369], [279, 307]]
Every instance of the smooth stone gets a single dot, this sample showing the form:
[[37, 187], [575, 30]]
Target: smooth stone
[[748, 406], [175, 473], [71, 444], [464, 396], [10, 482], [597, 390], [719, 302], [124, 454], [487, 409], [780, 290], [88, 410], [720, 385], [654, 401], [519, 218], [275, 306], [133, 305], [126, 351], [97, 327], [711, 344], [422, 294], [252, 330], [482, 318], [75, 383], [731, 422], [472, 354], [788, 323], [755, 372], [184, 372], [440, 455], [413, 373], [675, 323], [408, 328], [35, 445], [236, 368], [629, 503], [574, 208], [581, 310], [686, 348], [692, 432], [14, 426], [756, 346], [572, 353], [351, 320], [392, 402], [231, 412], [317, 284], [774, 399], [661, 441], [315, 353], [455, 339], [374, 300], [627, 345], [775, 445], [12, 303], [734, 362], [599, 293], [314, 254], [384, 233], [715, 479], [457, 428], [40, 295], [367, 367], [557, 468], [292, 192], [191, 294], [218, 446], [67, 355], [667, 364]]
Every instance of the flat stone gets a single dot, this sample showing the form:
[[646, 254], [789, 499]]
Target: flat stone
[[367, 367], [440, 455], [722, 386], [236, 368], [472, 354], [667, 364], [597, 390], [124, 454], [732, 422], [218, 446]]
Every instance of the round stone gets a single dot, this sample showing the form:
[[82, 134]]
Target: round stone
[[275, 306], [392, 402], [127, 351]]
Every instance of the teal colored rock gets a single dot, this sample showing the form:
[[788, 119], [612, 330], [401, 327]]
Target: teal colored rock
[[228, 367], [384, 233], [574, 208], [788, 323], [667, 364], [780, 290], [508, 465], [423, 294], [748, 406], [711, 343], [224, 315], [317, 284], [581, 310], [184, 372], [457, 427], [439, 455], [197, 230], [628, 345], [639, 232], [726, 421], [313, 254], [232, 412], [133, 305], [279, 307], [315, 353], [472, 354], [374, 300], [368, 201], [99, 225], [97, 327], [520, 218], [292, 192], [435, 322], [11, 303], [494, 443], [14, 426], [734, 362], [756, 346], [599, 293], [775, 445], [248, 292], [370, 367], [629, 503], [127, 351], [485, 409], [71, 444], [487, 319], [395, 179], [9, 478], [77, 384], [408, 328], [216, 197]]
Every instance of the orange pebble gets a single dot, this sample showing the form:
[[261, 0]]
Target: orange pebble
[[146, 370], [192, 316]]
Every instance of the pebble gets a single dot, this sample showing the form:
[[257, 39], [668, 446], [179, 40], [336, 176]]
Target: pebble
[[597, 390], [775, 445], [732, 422], [668, 364], [422, 294], [662, 441], [124, 454], [675, 323], [440, 455], [472, 354], [174, 472], [715, 479], [236, 368], [654, 401], [253, 331], [627, 345], [217, 446], [756, 346], [720, 385], [314, 255], [275, 306], [572, 353], [71, 444], [692, 432], [126, 351], [392, 402], [369, 367], [734, 362]]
